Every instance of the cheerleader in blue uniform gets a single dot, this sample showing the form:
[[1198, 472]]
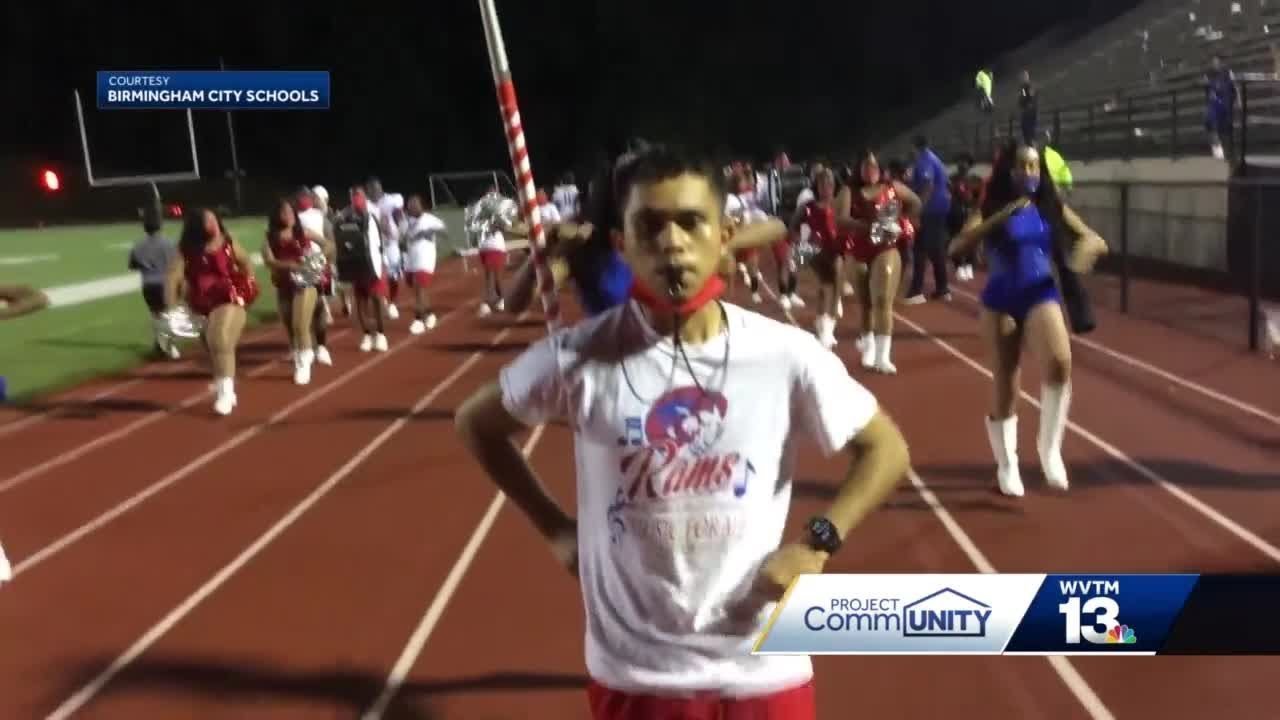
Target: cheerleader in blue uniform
[[1021, 217]]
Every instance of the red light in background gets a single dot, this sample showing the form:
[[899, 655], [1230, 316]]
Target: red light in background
[[50, 180]]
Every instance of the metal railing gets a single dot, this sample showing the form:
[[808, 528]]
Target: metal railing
[[1168, 123], [1201, 255]]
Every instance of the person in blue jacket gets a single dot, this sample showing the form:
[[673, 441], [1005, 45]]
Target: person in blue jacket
[[1025, 225]]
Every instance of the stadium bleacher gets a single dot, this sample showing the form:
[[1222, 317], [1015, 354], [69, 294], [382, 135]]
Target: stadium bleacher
[[1133, 87]]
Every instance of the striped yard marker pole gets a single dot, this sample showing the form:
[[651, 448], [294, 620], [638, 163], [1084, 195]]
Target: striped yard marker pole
[[520, 160]]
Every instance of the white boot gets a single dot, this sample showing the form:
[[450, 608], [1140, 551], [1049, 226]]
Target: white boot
[[1003, 436], [825, 329], [883, 348], [224, 400], [302, 366], [1054, 402], [867, 346], [322, 356], [6, 572]]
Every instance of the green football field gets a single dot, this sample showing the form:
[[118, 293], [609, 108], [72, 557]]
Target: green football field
[[62, 346]]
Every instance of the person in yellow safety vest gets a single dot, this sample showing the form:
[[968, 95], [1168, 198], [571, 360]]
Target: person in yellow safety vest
[[1054, 163], [983, 85]]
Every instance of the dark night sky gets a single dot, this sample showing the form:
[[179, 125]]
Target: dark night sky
[[411, 89]]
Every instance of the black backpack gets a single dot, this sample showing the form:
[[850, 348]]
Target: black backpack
[[350, 235]]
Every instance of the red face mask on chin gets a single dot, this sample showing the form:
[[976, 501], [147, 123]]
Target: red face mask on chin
[[712, 289], [360, 203]]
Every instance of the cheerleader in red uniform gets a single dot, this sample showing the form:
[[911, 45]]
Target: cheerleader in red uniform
[[287, 243], [220, 287], [877, 212], [819, 215]]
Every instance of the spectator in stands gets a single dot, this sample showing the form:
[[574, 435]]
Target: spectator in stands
[[982, 85], [1057, 167], [929, 181], [1028, 108], [1222, 95]]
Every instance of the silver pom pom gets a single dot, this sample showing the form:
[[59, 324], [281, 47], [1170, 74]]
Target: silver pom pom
[[887, 227], [803, 251], [178, 323], [491, 213], [313, 266]]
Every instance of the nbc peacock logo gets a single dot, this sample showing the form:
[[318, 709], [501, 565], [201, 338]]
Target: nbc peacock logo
[[1121, 634]]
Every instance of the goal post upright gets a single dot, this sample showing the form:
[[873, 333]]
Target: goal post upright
[[153, 179]]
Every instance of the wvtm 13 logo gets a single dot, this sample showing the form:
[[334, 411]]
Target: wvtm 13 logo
[[1091, 613]]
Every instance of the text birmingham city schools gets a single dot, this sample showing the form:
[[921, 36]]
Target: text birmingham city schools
[[197, 96]]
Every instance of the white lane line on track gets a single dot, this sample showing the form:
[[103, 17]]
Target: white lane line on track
[[422, 633], [1165, 375], [226, 446], [138, 424], [1205, 510], [1070, 677], [86, 693], [126, 430]]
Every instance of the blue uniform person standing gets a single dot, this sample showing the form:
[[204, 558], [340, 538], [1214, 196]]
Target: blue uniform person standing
[[930, 182], [1025, 225]]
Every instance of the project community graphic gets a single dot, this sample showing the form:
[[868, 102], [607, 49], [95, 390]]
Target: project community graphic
[[1026, 614]]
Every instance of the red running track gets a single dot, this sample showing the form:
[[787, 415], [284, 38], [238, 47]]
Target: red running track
[[296, 558]]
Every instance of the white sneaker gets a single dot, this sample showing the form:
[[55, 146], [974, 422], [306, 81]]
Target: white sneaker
[[366, 343], [301, 374], [755, 298], [847, 290], [501, 305], [380, 342], [6, 572], [431, 321], [393, 312], [785, 302], [796, 302], [417, 327], [323, 357], [840, 308], [484, 310], [914, 300]]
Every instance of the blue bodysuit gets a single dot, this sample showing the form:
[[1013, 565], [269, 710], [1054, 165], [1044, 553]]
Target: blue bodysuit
[[602, 277], [1020, 257]]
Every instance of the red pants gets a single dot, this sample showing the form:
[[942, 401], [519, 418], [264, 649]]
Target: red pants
[[366, 288], [794, 704], [493, 260]]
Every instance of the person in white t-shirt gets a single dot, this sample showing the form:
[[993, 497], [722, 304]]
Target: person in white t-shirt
[[687, 415], [313, 215], [548, 212], [421, 231], [493, 250], [566, 198], [386, 208]]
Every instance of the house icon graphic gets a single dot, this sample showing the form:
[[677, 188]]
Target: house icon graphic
[[945, 613]]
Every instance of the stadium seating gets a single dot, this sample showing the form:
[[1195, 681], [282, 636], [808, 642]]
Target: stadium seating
[[1133, 87]]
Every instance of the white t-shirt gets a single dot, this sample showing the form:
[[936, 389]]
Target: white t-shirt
[[312, 220], [743, 208], [682, 494], [565, 198], [549, 213], [420, 242]]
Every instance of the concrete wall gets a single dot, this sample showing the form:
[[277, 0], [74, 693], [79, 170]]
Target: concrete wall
[[1177, 208]]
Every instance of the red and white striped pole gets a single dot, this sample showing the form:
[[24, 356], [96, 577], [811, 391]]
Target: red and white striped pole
[[520, 160]]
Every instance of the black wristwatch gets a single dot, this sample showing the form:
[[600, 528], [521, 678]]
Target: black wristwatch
[[823, 535]]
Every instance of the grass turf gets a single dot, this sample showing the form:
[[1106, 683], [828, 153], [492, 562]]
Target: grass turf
[[64, 346]]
